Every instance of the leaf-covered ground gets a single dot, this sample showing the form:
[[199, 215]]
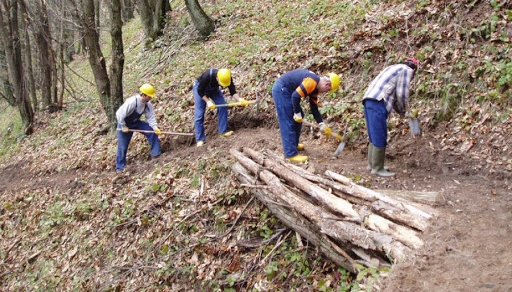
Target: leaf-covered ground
[[182, 223]]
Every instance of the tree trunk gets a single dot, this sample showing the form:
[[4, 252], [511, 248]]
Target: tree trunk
[[153, 14], [397, 211], [324, 197], [203, 23], [43, 46], [55, 80], [97, 15], [7, 95], [12, 46], [328, 223], [62, 51], [357, 230], [128, 9], [96, 59], [28, 57], [297, 222], [116, 70], [374, 222]]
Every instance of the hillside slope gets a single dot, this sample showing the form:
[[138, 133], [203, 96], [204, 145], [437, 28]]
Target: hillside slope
[[178, 223]]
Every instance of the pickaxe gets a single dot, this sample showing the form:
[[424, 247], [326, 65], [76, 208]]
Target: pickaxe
[[168, 133], [238, 103]]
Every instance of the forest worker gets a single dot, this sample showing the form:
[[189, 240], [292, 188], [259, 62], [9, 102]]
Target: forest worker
[[207, 94], [128, 118], [287, 93], [388, 91]]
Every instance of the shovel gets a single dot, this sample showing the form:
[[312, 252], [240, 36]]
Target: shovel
[[168, 133], [343, 143], [414, 125], [337, 136]]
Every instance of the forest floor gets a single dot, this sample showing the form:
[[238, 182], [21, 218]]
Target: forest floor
[[467, 248]]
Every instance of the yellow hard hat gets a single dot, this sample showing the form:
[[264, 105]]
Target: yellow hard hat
[[148, 90], [224, 76], [335, 81]]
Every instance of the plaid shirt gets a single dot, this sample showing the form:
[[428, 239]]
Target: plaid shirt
[[392, 86]]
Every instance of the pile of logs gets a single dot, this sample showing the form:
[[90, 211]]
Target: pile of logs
[[352, 225]]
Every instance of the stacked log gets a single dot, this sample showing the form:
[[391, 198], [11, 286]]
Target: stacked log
[[349, 223]]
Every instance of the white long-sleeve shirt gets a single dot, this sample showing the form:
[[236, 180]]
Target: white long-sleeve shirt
[[128, 108], [392, 86]]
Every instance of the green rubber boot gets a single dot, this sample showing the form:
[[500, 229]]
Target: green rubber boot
[[378, 156], [370, 152]]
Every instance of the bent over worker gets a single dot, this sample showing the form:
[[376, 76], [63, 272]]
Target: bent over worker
[[388, 91], [287, 93], [128, 118], [207, 94]]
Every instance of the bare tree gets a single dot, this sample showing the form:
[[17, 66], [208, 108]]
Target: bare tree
[[28, 58], [108, 101], [152, 15], [7, 93], [203, 23], [116, 70], [128, 9], [11, 43], [42, 37]]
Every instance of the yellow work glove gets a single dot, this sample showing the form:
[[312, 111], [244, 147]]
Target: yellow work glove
[[125, 129], [243, 102], [325, 129], [297, 117], [157, 131], [210, 105]]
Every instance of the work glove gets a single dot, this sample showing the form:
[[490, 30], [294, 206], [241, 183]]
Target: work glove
[[125, 129], [297, 117], [157, 131], [413, 114], [243, 102], [210, 105], [325, 129]]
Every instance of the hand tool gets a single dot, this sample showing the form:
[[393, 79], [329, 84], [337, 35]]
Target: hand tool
[[414, 125], [168, 133], [337, 136], [234, 104], [343, 142]]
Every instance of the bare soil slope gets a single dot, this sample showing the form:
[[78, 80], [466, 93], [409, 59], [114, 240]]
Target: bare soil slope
[[467, 249]]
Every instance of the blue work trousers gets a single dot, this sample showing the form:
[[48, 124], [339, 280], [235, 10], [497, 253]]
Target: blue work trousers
[[200, 107], [290, 129], [123, 140], [376, 117]]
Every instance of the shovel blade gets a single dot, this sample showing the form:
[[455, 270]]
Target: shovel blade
[[414, 126], [340, 148]]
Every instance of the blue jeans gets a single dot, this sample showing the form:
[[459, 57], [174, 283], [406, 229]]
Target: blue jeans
[[376, 117], [289, 128], [200, 107], [123, 140]]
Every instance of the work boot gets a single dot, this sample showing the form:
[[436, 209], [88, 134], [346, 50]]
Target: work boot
[[300, 147], [298, 158], [378, 156], [227, 134], [370, 153]]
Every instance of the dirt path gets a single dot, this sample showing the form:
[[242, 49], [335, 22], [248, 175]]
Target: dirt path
[[467, 249]]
